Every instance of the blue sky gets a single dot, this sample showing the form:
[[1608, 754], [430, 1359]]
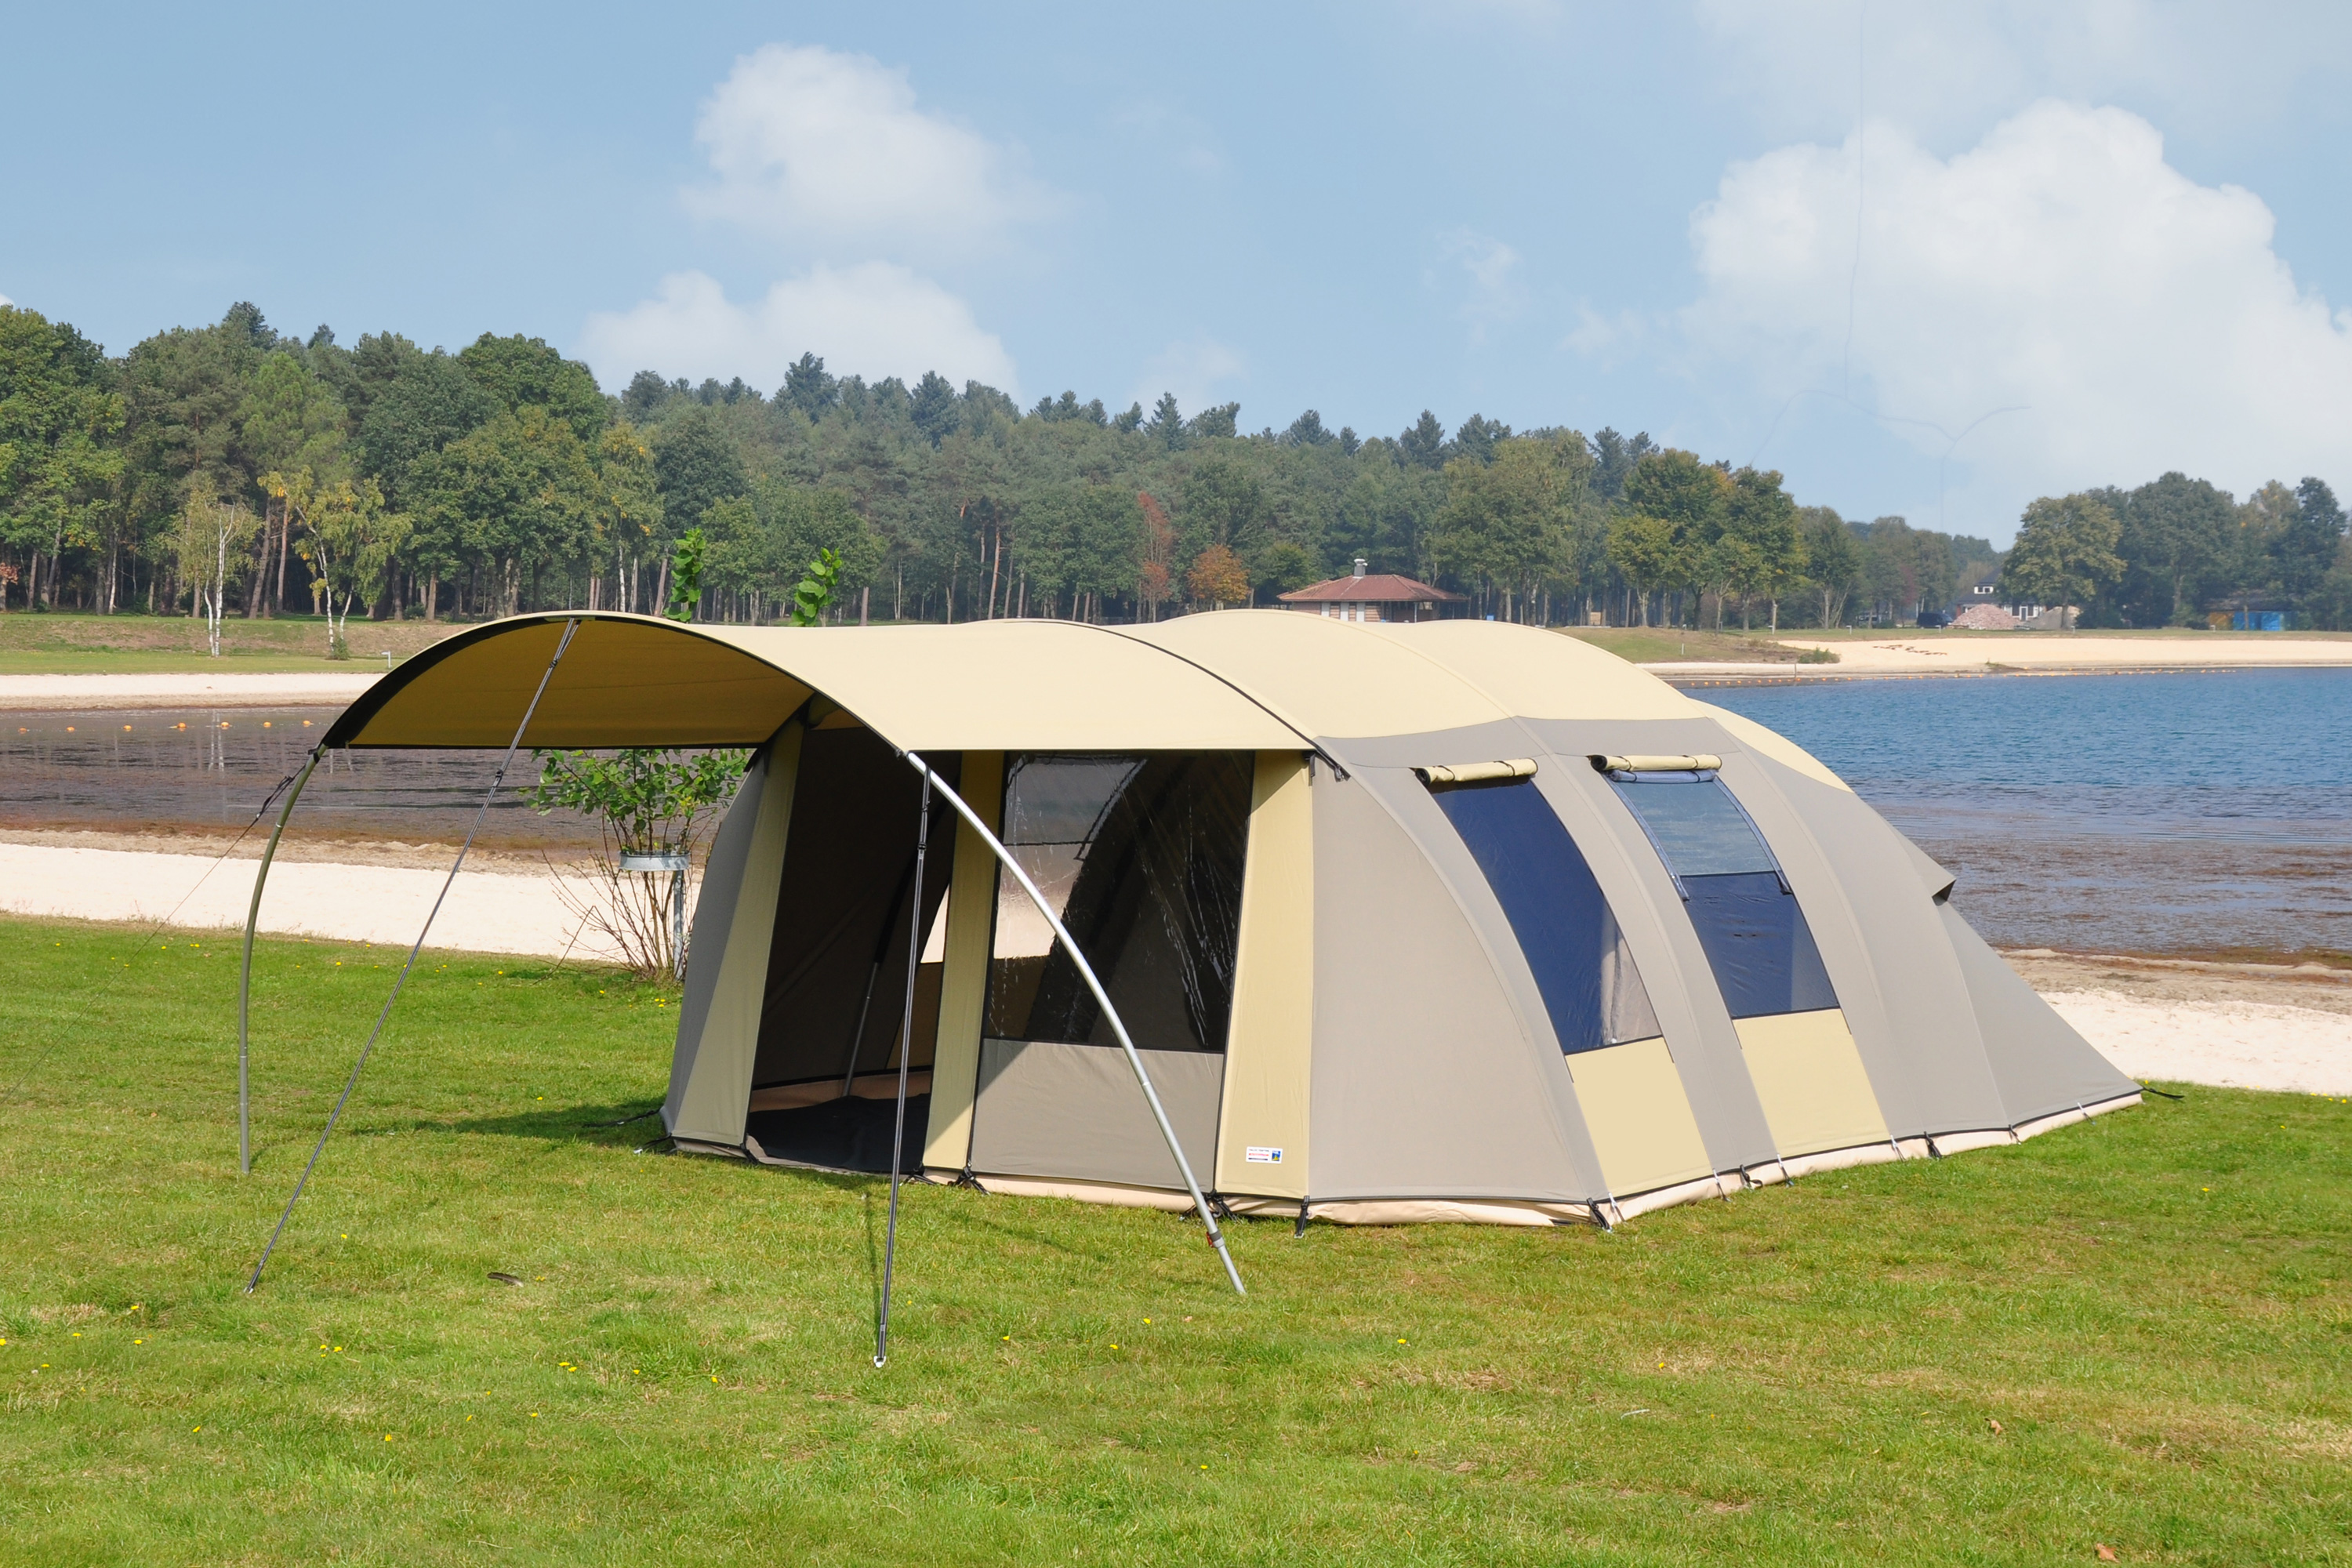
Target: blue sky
[[1927, 260]]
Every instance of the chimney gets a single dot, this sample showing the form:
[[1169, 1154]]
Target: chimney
[[1360, 565]]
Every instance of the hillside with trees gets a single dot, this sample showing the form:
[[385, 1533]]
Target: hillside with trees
[[231, 470]]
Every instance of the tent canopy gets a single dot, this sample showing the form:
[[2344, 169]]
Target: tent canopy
[[1237, 681]]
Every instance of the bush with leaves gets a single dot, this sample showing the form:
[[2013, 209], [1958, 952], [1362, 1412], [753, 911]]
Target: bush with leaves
[[647, 802]]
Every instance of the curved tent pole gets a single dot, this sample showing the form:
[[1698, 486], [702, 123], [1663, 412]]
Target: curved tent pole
[[905, 1061], [245, 975], [1102, 998]]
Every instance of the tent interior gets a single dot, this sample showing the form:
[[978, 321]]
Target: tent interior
[[1142, 856]]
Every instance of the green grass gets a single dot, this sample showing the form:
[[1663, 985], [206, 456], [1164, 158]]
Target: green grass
[[2154, 1307], [1654, 644], [69, 643]]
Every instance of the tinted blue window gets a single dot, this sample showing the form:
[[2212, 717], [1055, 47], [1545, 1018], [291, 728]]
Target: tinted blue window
[[1759, 945], [1697, 827], [1756, 938], [1557, 911]]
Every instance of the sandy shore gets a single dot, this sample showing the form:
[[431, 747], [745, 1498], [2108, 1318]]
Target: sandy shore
[[508, 909], [1990, 653], [2244, 1025], [224, 691]]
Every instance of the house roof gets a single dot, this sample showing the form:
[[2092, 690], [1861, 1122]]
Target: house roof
[[1374, 588]]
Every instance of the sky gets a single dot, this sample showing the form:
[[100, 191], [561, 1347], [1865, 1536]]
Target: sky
[[1926, 259]]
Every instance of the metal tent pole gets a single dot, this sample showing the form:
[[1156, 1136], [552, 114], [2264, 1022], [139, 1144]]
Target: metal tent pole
[[1102, 998], [906, 1059], [569, 627], [245, 975]]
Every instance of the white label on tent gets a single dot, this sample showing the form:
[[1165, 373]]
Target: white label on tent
[[1258, 1156]]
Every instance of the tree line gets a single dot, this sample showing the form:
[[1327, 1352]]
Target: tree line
[[233, 470]]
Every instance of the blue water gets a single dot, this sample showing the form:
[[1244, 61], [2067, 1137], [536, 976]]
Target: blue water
[[2135, 813]]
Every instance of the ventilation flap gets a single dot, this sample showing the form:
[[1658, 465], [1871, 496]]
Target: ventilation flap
[[1479, 772], [1661, 764]]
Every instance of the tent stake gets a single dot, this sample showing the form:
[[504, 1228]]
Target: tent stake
[[373, 1034], [906, 1060], [245, 975], [1102, 998]]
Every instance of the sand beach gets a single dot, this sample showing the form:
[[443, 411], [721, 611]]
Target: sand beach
[[2027, 653]]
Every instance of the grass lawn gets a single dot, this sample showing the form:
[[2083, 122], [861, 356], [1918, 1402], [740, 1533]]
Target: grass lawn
[[68, 643], [2134, 1333], [1654, 644]]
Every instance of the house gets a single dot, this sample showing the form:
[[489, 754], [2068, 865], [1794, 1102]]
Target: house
[[1981, 607], [1376, 597]]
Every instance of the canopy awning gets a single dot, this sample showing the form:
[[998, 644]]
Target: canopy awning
[[634, 680]]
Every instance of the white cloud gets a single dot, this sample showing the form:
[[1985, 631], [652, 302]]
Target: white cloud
[[2142, 319], [1948, 67], [874, 319], [826, 149], [1194, 369], [1491, 270]]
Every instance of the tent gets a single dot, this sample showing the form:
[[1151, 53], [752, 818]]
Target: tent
[[1447, 922]]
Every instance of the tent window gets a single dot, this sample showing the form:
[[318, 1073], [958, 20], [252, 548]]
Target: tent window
[[1141, 857], [1563, 923], [1748, 920]]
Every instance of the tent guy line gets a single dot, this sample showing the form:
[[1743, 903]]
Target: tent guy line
[[245, 971], [570, 628]]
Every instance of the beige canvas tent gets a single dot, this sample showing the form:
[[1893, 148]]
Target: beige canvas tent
[[1457, 920]]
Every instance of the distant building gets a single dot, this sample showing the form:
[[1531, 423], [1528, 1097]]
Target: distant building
[[1378, 596], [1982, 606]]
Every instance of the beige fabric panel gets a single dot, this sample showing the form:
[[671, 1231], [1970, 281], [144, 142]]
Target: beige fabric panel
[[1811, 1080], [1427, 1082], [713, 919], [624, 682], [710, 1077], [963, 982], [1113, 1194], [636, 680], [1771, 743], [1540, 674], [1330, 677], [1017, 686], [1045, 1109], [1640, 1119], [1440, 1211], [1262, 1127]]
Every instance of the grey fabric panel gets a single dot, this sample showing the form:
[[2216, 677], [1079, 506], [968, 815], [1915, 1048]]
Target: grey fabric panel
[[1046, 1109], [1493, 743], [1932, 877], [2042, 1064], [1408, 800], [1895, 973], [714, 917], [1625, 1010], [1681, 983], [1427, 1081]]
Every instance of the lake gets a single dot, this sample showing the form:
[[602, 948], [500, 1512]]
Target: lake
[[204, 770], [2106, 813]]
